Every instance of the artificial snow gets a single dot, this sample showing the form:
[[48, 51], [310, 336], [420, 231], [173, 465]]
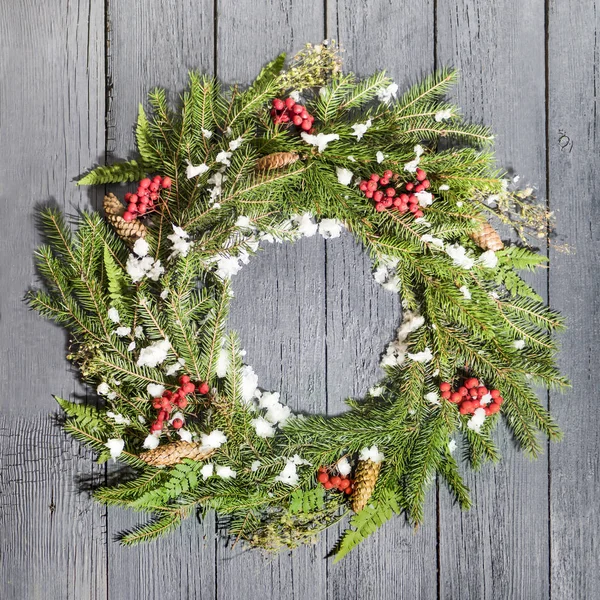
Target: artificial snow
[[421, 357], [488, 259], [395, 353], [379, 156], [443, 115], [151, 442], [344, 176], [154, 354], [465, 292], [263, 428], [207, 471], [223, 158], [214, 439], [330, 228], [360, 129], [371, 454], [113, 314], [103, 389], [225, 472], [155, 389], [123, 331], [115, 446], [477, 420], [321, 140], [343, 466], [459, 257], [141, 247], [306, 226], [195, 170], [387, 93], [118, 418]]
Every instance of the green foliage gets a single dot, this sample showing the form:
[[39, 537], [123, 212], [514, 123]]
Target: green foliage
[[503, 333]]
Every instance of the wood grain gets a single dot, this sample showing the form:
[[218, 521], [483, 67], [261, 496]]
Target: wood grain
[[51, 127], [362, 317], [573, 126], [155, 43], [499, 549]]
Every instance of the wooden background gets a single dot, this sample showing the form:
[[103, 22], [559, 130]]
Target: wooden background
[[313, 322]]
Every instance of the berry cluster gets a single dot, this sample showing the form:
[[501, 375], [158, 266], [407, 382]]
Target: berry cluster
[[169, 400], [386, 197], [147, 194], [340, 482], [289, 111], [471, 395]]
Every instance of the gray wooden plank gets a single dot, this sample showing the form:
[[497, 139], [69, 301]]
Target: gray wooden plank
[[156, 43], [499, 549], [278, 309], [51, 128], [396, 562], [573, 125]]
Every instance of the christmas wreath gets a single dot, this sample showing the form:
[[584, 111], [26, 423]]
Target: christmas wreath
[[305, 150]]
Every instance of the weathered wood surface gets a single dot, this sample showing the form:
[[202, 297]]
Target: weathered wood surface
[[309, 315]]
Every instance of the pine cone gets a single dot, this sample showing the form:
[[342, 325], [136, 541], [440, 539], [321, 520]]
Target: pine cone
[[277, 160], [487, 238], [175, 452], [365, 479], [129, 231]]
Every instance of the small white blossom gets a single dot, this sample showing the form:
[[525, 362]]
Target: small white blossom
[[388, 93], [459, 257], [477, 420], [195, 170], [184, 434], [223, 158], [207, 471], [465, 292], [155, 389], [488, 259], [371, 454], [115, 446], [214, 439], [379, 156], [154, 354], [118, 418], [151, 442], [306, 226], [321, 140], [519, 344], [103, 389], [113, 314], [123, 331], [360, 129], [432, 398], [225, 472], [330, 228], [344, 176], [141, 247], [263, 428], [235, 144], [421, 357], [343, 466], [443, 115]]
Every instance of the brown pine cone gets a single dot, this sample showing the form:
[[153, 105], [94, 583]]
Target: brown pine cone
[[487, 238], [365, 479], [129, 231], [277, 160], [175, 452]]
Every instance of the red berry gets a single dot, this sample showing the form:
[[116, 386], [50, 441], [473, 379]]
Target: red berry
[[374, 177], [378, 196], [328, 485], [473, 392], [278, 104], [203, 388], [446, 395], [322, 469], [363, 186], [418, 214], [128, 196], [421, 175], [482, 390], [188, 388], [466, 407], [380, 207], [184, 379], [141, 192], [306, 125], [372, 185], [499, 400], [471, 383], [348, 490], [397, 202], [494, 407], [162, 415], [495, 393], [177, 423], [156, 426], [344, 483], [336, 479], [290, 103], [384, 181], [413, 208], [297, 109], [462, 390], [153, 196], [154, 187], [182, 402], [157, 179], [304, 114], [323, 477], [127, 216], [455, 397], [157, 403], [426, 184], [390, 192], [132, 208], [419, 188], [387, 174], [409, 186], [165, 403], [144, 183], [142, 208], [297, 120], [387, 202]]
